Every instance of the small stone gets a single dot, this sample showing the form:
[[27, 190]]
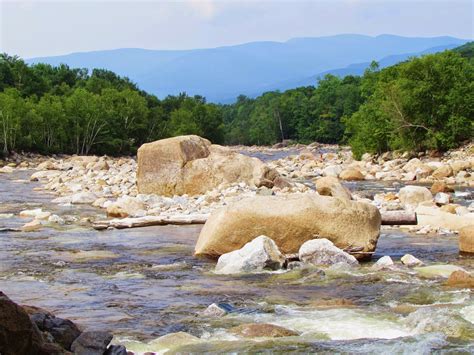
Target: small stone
[[214, 311], [385, 262], [410, 261]]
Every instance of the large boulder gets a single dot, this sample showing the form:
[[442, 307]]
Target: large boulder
[[437, 218], [290, 221], [18, 334], [192, 165], [466, 239], [257, 255]]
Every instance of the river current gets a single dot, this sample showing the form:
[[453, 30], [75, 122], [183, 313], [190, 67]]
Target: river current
[[144, 283]]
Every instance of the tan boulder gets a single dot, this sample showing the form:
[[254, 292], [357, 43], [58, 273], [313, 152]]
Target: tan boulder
[[436, 218], [460, 279], [351, 174], [413, 195], [191, 165], [460, 165], [330, 186], [466, 239], [290, 221], [442, 172], [440, 186]]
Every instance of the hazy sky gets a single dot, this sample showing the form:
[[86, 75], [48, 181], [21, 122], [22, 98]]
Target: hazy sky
[[40, 28]]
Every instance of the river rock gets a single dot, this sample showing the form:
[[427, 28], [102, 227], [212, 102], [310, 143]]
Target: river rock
[[436, 218], [460, 279], [385, 262], [410, 261], [126, 206], [191, 165], [442, 198], [290, 221], [32, 226], [173, 340], [442, 270], [7, 170], [116, 350], [413, 195], [351, 175], [63, 331], [256, 330], [324, 252], [440, 186], [213, 311], [257, 255], [330, 186], [84, 197], [18, 334], [442, 172], [466, 239], [332, 170], [91, 343]]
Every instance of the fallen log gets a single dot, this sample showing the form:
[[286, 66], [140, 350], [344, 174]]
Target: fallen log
[[399, 218], [147, 221]]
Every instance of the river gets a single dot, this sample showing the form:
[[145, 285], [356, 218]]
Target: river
[[143, 283]]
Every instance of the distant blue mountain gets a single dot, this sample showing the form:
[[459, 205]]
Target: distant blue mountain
[[221, 74]]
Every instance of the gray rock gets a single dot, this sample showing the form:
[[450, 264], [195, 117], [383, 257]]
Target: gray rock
[[385, 262], [214, 311], [324, 252], [409, 260], [116, 350], [91, 343], [257, 255], [63, 331]]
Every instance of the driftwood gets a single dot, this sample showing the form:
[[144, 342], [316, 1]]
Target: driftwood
[[122, 223], [399, 218]]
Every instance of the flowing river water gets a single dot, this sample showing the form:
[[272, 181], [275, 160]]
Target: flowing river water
[[144, 283]]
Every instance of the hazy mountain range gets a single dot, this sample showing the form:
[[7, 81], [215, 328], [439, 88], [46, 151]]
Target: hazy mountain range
[[221, 74]]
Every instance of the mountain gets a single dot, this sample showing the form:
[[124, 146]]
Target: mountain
[[221, 74]]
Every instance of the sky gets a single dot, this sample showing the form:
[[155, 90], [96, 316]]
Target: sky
[[43, 28]]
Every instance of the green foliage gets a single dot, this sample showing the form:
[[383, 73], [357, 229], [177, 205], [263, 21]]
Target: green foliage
[[423, 103]]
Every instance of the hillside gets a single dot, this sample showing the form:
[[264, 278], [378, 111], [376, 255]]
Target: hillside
[[221, 74]]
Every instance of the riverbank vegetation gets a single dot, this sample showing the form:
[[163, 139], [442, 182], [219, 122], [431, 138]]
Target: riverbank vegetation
[[423, 103]]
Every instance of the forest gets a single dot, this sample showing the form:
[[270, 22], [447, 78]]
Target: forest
[[423, 103]]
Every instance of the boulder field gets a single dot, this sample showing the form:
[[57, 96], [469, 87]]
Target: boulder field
[[290, 221], [192, 165]]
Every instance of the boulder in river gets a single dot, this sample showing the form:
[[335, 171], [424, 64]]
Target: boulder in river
[[413, 195], [91, 343], [257, 255], [290, 221], [324, 252], [192, 165], [351, 174], [460, 279], [18, 334], [466, 239]]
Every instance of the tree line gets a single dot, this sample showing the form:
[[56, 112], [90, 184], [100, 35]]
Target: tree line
[[422, 103]]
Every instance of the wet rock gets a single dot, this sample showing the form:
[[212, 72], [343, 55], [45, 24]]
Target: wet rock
[[32, 226], [413, 195], [385, 262], [330, 186], [91, 343], [213, 311], [173, 340], [324, 252], [466, 239], [256, 330], [351, 175], [292, 265], [37, 213], [126, 206], [6, 170], [18, 334], [332, 303], [436, 218], [410, 261], [63, 331], [191, 165], [332, 170], [116, 350], [460, 279], [257, 255], [433, 271], [290, 221]]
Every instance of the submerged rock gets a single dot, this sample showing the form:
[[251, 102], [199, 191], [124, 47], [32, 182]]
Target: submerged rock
[[438, 270], [256, 330], [257, 255], [191, 165], [324, 252], [290, 221]]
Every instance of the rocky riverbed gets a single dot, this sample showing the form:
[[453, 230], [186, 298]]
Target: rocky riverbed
[[146, 288]]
